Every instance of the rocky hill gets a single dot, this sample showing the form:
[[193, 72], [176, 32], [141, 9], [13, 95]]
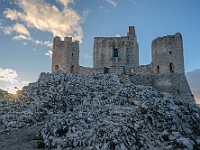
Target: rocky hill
[[67, 111]]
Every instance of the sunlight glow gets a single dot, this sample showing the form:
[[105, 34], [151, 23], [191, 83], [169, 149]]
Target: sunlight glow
[[12, 90]]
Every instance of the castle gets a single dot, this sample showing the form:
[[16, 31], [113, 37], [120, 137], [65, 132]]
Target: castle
[[120, 55]]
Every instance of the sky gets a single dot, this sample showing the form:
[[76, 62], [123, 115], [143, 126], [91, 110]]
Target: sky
[[27, 29]]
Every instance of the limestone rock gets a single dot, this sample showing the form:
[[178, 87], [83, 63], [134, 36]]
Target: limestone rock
[[102, 112]]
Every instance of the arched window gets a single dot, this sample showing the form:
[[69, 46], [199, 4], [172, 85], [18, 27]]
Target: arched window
[[171, 67], [56, 67], [158, 69], [115, 52]]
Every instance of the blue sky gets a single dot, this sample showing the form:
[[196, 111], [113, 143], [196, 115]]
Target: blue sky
[[27, 29]]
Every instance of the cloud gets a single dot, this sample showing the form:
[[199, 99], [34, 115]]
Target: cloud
[[18, 28], [25, 82], [112, 2], [87, 56], [8, 75], [45, 17], [24, 43], [193, 78], [21, 37], [118, 35], [84, 16], [65, 2], [21, 29], [46, 43], [38, 42], [49, 53]]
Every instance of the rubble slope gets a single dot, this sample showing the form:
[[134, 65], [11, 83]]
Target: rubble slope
[[101, 112]]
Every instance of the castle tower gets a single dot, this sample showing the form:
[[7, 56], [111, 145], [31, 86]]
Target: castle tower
[[167, 54], [116, 52], [65, 55]]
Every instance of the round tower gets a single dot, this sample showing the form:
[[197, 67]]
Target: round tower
[[167, 54]]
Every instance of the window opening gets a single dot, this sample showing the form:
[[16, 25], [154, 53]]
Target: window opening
[[158, 69], [171, 67], [56, 67], [106, 70], [115, 52], [72, 69]]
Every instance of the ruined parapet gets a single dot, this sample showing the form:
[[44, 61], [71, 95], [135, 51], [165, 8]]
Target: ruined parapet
[[167, 54], [65, 55], [116, 51], [86, 70], [140, 70]]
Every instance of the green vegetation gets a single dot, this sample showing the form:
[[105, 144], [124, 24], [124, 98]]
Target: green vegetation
[[2, 96]]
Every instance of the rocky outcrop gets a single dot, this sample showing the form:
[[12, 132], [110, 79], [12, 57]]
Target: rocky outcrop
[[102, 112]]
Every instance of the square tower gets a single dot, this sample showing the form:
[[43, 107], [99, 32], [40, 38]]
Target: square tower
[[167, 54], [65, 55]]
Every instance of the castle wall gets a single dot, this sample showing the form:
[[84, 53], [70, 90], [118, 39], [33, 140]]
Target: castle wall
[[120, 55], [127, 53], [86, 70], [167, 54], [175, 84]]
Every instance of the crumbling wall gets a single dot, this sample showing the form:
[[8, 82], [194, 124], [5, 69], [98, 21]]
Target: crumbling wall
[[126, 47], [167, 54], [86, 70], [175, 84]]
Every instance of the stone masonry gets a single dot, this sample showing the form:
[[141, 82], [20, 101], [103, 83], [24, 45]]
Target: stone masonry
[[120, 55]]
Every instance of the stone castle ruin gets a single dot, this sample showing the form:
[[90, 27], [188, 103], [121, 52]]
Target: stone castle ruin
[[120, 55]]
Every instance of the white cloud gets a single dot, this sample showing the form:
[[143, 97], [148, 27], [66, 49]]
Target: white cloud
[[38, 42], [21, 37], [65, 2], [112, 2], [49, 53], [46, 43], [118, 35], [24, 43], [18, 28], [84, 16], [45, 17], [8, 75], [193, 78], [25, 82], [21, 29], [87, 56]]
